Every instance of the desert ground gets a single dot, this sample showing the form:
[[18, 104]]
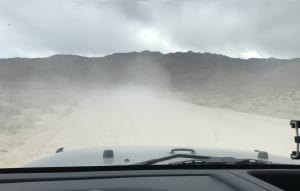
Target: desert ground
[[35, 120]]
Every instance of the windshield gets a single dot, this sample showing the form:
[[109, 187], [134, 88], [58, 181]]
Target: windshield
[[141, 78]]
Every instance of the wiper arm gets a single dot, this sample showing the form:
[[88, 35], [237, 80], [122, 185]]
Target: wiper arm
[[203, 160], [157, 160]]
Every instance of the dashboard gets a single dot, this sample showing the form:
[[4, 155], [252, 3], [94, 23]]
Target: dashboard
[[154, 178]]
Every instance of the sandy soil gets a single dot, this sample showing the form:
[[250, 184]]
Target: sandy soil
[[145, 118]]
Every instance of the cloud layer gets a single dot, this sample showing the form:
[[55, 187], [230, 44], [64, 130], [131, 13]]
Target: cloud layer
[[35, 28]]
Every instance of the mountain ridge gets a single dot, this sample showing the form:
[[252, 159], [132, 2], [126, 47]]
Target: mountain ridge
[[199, 67], [152, 52]]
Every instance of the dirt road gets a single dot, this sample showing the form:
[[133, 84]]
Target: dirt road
[[130, 118]]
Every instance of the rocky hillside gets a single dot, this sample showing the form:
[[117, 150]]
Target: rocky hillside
[[264, 86]]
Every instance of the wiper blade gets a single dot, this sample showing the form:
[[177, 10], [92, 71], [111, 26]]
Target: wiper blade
[[222, 161], [204, 160]]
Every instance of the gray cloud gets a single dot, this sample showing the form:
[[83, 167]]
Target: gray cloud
[[35, 28]]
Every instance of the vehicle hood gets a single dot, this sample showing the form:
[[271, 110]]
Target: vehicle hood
[[127, 155]]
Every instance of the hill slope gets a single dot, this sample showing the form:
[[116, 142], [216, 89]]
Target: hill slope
[[264, 86]]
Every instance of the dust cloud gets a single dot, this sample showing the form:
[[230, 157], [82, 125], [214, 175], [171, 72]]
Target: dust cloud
[[136, 104]]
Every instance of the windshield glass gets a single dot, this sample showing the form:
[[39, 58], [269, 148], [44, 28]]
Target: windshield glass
[[140, 78]]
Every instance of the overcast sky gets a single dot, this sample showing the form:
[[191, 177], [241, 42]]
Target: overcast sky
[[38, 28]]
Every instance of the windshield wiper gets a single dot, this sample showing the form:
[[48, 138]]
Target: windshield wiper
[[157, 160], [204, 160], [222, 161]]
